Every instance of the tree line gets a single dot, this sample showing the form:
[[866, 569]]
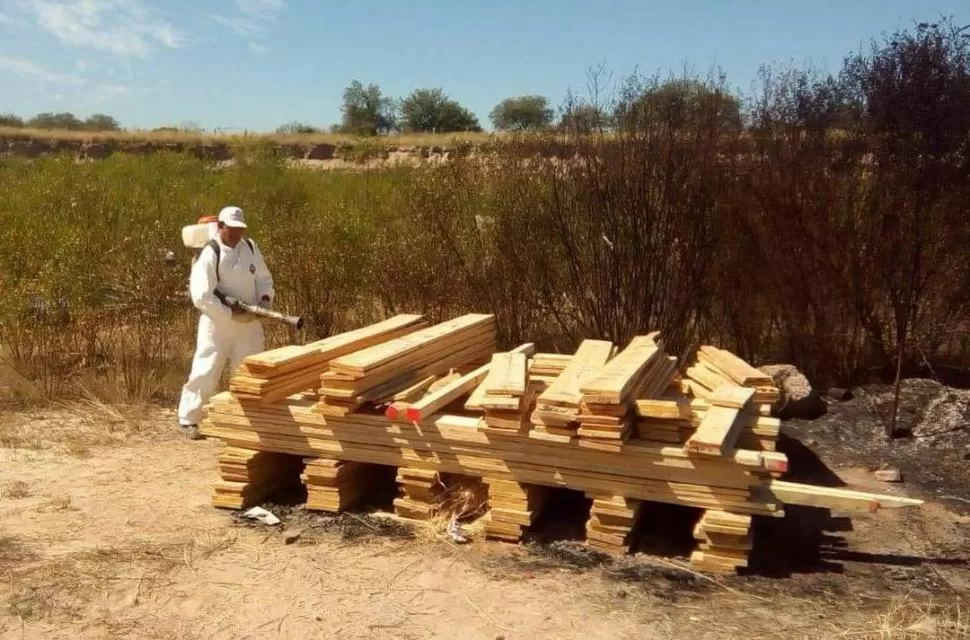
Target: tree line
[[367, 111], [61, 121]]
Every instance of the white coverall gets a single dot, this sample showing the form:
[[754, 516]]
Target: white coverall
[[244, 275]]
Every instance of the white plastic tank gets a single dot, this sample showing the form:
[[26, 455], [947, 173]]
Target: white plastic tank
[[195, 236]]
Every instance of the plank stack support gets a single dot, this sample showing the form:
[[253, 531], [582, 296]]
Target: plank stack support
[[715, 368], [250, 477], [420, 491], [724, 542], [276, 374], [556, 414], [612, 520], [377, 374], [337, 485], [607, 414], [513, 507]]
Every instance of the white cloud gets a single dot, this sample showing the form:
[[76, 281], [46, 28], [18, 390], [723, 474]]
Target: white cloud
[[251, 20], [5, 19], [120, 27], [25, 67]]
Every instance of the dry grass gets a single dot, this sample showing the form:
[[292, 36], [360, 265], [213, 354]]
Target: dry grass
[[908, 619], [190, 137], [15, 490], [64, 587], [74, 428]]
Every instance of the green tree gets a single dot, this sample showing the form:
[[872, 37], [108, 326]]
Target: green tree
[[523, 113], [431, 110], [55, 121], [101, 122], [366, 111], [296, 128], [679, 103], [11, 120]]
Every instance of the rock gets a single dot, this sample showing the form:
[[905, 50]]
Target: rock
[[798, 398], [838, 394], [28, 149], [217, 152], [321, 152], [96, 151], [292, 535], [889, 475]]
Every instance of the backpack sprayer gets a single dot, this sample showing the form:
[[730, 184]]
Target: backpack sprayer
[[197, 236]]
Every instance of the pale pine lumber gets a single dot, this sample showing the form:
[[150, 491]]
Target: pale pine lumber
[[735, 368], [334, 346], [717, 432], [836, 499], [360, 362], [612, 385], [451, 392], [507, 374]]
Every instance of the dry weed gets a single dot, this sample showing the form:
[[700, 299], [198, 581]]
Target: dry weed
[[15, 490], [908, 619], [56, 505], [64, 587]]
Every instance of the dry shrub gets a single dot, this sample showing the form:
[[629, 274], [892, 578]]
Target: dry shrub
[[823, 225]]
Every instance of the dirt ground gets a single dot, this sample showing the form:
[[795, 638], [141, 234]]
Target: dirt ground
[[106, 532]]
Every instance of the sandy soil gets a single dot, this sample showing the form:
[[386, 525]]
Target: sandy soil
[[106, 532]]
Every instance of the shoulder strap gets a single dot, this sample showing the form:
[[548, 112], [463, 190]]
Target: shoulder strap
[[214, 244]]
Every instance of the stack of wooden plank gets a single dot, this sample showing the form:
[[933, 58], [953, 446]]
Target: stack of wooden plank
[[548, 366], [513, 507], [718, 432], [641, 370], [448, 392], [420, 490], [455, 444], [670, 419], [715, 368], [611, 522], [556, 414], [704, 441], [506, 394], [249, 477], [673, 421], [724, 542], [376, 375], [278, 373], [337, 485]]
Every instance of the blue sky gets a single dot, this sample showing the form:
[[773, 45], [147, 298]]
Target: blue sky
[[256, 64]]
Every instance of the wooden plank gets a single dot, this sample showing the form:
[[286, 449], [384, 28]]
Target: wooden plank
[[507, 374], [588, 360], [360, 362], [444, 396], [735, 368], [616, 379], [717, 433], [336, 345], [732, 397], [835, 499]]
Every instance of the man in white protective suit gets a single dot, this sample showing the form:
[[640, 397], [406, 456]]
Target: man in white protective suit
[[232, 264]]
